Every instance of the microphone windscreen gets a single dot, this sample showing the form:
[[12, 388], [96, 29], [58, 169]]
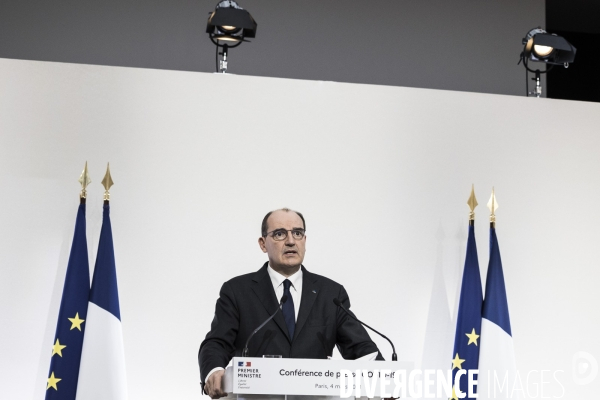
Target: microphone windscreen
[[337, 302], [283, 299]]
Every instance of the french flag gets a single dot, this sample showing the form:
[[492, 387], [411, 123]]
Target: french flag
[[102, 369], [497, 366]]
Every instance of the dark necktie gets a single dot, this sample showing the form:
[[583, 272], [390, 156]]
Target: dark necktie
[[289, 314]]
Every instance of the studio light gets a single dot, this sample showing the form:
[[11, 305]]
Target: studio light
[[549, 48], [230, 24]]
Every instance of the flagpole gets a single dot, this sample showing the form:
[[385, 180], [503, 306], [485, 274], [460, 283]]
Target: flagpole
[[493, 206], [84, 180], [107, 182], [472, 202]]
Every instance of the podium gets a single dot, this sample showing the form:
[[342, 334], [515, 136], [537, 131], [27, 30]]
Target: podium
[[297, 378]]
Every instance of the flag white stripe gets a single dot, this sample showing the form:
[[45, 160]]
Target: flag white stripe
[[102, 369], [497, 367]]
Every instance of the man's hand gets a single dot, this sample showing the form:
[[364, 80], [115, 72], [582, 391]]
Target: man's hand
[[214, 385]]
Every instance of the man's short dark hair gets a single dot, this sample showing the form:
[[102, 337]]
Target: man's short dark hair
[[263, 226]]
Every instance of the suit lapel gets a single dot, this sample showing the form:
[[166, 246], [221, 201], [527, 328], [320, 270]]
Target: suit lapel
[[310, 291], [263, 288]]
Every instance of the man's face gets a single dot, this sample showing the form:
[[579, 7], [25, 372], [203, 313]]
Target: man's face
[[285, 256]]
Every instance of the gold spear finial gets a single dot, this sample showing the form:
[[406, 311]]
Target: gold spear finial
[[107, 182], [493, 206], [85, 180], [472, 202]]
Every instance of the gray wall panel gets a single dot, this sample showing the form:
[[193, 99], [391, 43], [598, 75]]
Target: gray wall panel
[[463, 45]]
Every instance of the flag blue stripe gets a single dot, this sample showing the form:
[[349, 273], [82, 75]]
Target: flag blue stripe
[[104, 291], [495, 306]]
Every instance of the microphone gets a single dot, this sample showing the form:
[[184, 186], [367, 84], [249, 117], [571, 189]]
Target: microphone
[[283, 300], [339, 304]]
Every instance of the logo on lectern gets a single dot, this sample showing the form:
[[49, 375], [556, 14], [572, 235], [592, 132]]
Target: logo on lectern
[[245, 371]]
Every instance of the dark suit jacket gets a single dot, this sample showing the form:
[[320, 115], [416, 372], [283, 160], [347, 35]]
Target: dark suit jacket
[[248, 300]]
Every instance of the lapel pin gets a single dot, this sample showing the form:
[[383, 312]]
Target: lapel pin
[[314, 291]]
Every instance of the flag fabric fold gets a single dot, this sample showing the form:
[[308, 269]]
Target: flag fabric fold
[[497, 366], [468, 323], [72, 318], [102, 371]]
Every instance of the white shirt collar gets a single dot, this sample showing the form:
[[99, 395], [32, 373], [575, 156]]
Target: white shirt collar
[[278, 279]]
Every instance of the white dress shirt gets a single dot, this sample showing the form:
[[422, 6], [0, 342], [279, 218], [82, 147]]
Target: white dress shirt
[[277, 281], [295, 289]]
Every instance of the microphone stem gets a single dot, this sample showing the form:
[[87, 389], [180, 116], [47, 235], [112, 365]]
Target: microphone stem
[[394, 355], [245, 351]]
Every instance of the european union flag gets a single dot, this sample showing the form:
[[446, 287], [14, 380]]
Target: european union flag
[[66, 351], [468, 323]]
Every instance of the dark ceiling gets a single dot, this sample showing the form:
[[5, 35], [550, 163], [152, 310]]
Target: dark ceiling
[[578, 22]]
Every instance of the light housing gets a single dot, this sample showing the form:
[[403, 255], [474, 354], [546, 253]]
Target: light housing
[[230, 23], [549, 48]]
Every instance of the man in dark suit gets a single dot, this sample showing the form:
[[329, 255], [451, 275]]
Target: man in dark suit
[[309, 325]]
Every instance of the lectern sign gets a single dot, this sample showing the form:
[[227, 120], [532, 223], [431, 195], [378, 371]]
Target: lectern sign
[[295, 376]]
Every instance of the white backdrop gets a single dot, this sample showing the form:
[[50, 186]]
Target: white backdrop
[[382, 175]]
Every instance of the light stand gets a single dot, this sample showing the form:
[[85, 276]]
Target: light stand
[[537, 91], [221, 64]]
